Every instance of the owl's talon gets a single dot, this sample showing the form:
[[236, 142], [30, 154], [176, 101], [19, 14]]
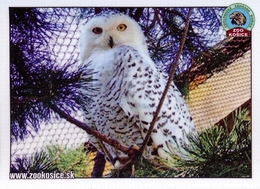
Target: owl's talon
[[120, 162], [133, 151]]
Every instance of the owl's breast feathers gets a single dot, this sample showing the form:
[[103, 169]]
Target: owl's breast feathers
[[130, 90]]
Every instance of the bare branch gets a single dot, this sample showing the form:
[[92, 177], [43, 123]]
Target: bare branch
[[89, 130]]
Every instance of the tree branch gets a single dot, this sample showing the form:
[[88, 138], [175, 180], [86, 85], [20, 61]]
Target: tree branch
[[170, 79], [89, 130]]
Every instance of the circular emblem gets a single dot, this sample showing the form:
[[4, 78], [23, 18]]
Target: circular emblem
[[238, 15]]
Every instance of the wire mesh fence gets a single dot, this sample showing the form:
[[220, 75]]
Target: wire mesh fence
[[56, 132], [63, 47]]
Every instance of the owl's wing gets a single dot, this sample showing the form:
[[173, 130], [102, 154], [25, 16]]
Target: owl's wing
[[142, 85]]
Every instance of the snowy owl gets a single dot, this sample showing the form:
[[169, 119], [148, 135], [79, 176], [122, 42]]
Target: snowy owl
[[129, 88]]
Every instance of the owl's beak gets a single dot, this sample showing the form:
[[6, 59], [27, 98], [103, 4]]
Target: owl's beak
[[111, 42]]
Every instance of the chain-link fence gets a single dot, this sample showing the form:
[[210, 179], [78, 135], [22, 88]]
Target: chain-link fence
[[64, 47]]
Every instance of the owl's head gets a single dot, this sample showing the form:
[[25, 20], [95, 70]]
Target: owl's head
[[104, 32]]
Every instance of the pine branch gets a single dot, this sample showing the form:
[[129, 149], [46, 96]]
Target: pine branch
[[216, 152], [35, 76], [49, 84], [39, 162], [72, 159]]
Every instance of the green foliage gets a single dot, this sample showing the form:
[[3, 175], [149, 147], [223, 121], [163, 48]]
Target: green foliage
[[184, 87], [152, 169], [55, 158], [144, 168], [70, 159], [217, 152]]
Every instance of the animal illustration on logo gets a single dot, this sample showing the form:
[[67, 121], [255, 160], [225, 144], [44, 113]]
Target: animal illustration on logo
[[238, 18]]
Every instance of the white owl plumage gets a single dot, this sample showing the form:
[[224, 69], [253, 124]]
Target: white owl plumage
[[129, 88]]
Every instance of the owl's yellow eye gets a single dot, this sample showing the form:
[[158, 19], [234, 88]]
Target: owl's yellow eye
[[97, 30], [121, 27]]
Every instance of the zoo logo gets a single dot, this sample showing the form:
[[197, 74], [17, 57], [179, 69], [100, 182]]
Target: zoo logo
[[238, 20]]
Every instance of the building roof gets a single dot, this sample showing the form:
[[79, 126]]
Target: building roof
[[214, 94]]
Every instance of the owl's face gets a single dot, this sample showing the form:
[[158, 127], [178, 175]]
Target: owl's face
[[105, 32]]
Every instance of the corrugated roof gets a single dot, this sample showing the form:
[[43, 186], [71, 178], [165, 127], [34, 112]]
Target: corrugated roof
[[212, 99], [214, 60]]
